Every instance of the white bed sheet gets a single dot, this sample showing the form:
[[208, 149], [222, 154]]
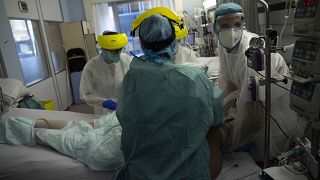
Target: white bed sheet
[[41, 162], [213, 64], [49, 115], [239, 165]]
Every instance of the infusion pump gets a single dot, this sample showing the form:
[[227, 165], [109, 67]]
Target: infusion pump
[[307, 18], [305, 99], [306, 59], [305, 73]]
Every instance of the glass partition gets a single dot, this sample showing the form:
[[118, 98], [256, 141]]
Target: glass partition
[[30, 50], [56, 46]]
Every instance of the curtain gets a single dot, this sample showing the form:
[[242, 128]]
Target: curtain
[[103, 18], [250, 15]]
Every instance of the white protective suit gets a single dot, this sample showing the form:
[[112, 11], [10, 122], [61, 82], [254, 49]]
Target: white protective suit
[[100, 81], [248, 123], [184, 55]]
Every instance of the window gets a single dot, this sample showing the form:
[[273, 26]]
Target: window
[[30, 50], [56, 46], [119, 17], [103, 18], [133, 7], [124, 8], [128, 12]]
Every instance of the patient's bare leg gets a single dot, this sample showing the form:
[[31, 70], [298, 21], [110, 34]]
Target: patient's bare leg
[[46, 124], [51, 124], [215, 141], [43, 123]]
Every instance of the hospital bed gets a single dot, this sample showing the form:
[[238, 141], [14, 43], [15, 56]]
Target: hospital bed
[[43, 162]]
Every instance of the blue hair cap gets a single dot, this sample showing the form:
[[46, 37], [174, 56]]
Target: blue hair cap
[[227, 8]]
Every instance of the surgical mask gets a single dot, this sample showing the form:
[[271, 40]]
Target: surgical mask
[[108, 56], [230, 38]]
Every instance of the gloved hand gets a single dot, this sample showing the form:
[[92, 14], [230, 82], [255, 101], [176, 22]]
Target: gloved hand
[[109, 104]]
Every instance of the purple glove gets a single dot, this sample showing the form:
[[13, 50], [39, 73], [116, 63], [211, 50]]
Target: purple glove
[[109, 104]]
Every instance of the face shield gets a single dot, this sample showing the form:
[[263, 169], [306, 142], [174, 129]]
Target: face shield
[[112, 42], [229, 29], [230, 21]]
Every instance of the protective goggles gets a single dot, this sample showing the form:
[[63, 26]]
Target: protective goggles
[[170, 15], [112, 42], [229, 21]]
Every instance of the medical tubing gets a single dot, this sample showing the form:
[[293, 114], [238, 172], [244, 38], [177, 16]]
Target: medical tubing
[[286, 17], [275, 121], [285, 148], [287, 165], [273, 83]]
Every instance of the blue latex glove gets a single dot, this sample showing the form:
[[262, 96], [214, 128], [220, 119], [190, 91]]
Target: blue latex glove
[[109, 104]]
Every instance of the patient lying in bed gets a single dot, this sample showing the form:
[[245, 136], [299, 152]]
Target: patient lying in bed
[[247, 169], [95, 144]]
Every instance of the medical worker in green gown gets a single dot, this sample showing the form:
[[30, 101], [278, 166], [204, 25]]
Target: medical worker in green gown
[[165, 111]]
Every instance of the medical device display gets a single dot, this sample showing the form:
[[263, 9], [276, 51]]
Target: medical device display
[[306, 59], [305, 98], [307, 18], [255, 58], [305, 89]]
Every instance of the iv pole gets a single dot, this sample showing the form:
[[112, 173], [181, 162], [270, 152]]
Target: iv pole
[[267, 85]]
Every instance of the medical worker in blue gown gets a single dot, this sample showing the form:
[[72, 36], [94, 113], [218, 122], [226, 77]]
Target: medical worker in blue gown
[[165, 111]]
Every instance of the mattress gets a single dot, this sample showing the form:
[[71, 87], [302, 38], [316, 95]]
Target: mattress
[[42, 162]]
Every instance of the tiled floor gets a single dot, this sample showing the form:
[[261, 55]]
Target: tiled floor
[[82, 108]]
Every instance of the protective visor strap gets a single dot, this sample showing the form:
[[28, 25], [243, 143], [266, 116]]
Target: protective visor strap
[[156, 46]]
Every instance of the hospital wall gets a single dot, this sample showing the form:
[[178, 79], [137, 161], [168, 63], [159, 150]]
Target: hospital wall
[[56, 85], [72, 10]]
